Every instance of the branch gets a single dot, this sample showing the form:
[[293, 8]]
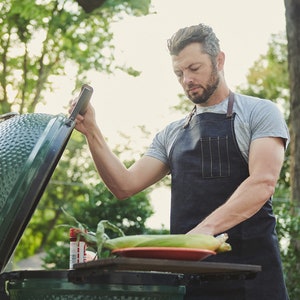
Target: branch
[[25, 82], [4, 74]]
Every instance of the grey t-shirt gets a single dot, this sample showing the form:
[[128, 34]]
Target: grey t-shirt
[[255, 118]]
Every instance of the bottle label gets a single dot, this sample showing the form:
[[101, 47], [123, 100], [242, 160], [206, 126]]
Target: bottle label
[[77, 252]]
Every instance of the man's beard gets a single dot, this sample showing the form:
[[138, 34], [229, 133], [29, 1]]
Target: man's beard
[[208, 90]]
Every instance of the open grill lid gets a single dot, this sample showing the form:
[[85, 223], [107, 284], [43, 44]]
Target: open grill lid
[[30, 148]]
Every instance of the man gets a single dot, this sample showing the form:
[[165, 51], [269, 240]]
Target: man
[[224, 159]]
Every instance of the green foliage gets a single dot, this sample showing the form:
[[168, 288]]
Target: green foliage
[[288, 226], [131, 7], [57, 257], [268, 77], [39, 39], [129, 215]]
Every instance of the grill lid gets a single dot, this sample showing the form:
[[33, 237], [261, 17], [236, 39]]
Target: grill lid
[[30, 148]]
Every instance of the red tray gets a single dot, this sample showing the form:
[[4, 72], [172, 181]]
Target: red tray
[[165, 253]]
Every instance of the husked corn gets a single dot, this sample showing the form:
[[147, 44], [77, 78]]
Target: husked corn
[[200, 241]]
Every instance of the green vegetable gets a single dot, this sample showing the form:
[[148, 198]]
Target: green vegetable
[[200, 241]]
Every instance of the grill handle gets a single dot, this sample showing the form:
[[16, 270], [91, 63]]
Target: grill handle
[[83, 100]]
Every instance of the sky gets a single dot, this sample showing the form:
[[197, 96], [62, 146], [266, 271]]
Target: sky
[[123, 103]]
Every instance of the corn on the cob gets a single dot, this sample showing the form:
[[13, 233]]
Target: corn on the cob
[[100, 240], [128, 241], [200, 241]]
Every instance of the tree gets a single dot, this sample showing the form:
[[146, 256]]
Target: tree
[[293, 37], [39, 39]]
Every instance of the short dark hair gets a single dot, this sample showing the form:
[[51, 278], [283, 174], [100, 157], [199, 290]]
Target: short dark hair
[[195, 34]]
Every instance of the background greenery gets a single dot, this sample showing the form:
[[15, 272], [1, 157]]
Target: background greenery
[[72, 35]]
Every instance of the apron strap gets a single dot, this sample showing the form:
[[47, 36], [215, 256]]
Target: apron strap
[[189, 118], [230, 105]]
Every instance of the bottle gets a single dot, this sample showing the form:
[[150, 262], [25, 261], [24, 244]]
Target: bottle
[[77, 248]]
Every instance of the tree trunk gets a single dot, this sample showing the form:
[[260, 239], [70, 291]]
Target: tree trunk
[[293, 36]]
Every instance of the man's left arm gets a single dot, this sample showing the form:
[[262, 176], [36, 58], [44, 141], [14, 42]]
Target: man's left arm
[[266, 157]]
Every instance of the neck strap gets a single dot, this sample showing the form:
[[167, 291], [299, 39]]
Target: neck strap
[[230, 105], [228, 114]]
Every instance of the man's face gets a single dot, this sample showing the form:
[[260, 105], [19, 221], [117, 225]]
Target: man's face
[[196, 73]]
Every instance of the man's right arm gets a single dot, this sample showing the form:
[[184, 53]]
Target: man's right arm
[[121, 181]]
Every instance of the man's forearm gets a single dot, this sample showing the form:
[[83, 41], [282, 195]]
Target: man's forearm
[[110, 168], [249, 197]]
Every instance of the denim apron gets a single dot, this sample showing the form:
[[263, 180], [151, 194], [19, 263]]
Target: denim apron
[[207, 167]]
